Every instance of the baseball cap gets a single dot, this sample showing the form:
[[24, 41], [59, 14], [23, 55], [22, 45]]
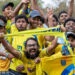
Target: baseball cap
[[36, 13], [7, 4], [2, 24], [70, 34]]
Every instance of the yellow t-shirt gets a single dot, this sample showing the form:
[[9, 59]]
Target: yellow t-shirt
[[13, 28], [27, 11], [8, 26], [18, 42], [29, 63]]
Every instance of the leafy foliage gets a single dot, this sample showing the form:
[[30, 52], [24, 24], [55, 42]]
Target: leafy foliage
[[62, 5]]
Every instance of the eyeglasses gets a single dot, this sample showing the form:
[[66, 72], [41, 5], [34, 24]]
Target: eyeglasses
[[30, 45]]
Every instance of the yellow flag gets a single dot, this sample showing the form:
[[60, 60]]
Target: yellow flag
[[56, 65]]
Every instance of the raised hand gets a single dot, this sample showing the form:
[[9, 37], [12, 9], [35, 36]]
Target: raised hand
[[50, 13], [20, 68], [71, 6], [1, 36], [37, 60], [25, 1], [50, 17]]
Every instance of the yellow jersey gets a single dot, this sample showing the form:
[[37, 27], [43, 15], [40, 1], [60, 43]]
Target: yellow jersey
[[29, 63], [13, 28], [27, 11], [39, 38], [8, 26], [18, 42]]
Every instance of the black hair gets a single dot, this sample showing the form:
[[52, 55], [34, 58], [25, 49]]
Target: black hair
[[32, 56], [70, 19], [42, 19], [21, 16], [31, 38], [3, 18], [71, 35], [54, 16], [61, 13]]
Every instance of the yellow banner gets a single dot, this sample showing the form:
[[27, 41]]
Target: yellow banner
[[54, 65], [55, 31], [40, 31]]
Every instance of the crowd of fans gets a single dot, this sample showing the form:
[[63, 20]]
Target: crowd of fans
[[20, 54]]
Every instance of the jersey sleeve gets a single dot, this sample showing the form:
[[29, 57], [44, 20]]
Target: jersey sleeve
[[22, 56], [44, 53]]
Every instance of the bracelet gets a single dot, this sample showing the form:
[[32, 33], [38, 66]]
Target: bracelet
[[7, 54]]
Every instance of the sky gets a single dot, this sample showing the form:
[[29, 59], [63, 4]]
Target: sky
[[53, 3]]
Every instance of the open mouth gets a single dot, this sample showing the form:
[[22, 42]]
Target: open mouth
[[70, 29], [32, 52]]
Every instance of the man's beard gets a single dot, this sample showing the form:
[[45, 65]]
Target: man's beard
[[32, 56]]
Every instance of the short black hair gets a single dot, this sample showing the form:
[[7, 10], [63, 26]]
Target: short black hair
[[69, 19], [42, 19], [3, 18], [21, 16], [61, 13], [31, 38], [54, 16]]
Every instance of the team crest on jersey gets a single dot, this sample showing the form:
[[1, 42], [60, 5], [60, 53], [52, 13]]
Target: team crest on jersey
[[63, 62]]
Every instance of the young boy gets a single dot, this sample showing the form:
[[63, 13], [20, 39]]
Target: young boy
[[71, 38]]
